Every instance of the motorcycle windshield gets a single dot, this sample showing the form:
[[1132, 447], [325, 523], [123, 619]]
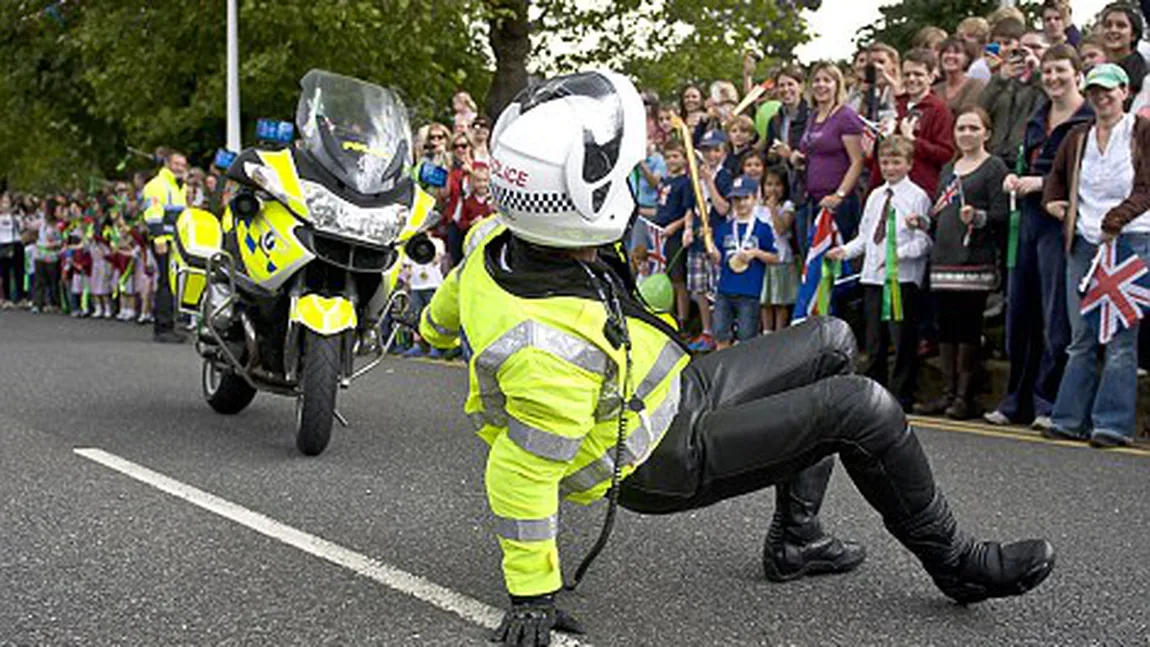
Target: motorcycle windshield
[[356, 130]]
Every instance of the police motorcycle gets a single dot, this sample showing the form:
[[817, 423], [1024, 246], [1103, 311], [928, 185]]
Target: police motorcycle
[[291, 286]]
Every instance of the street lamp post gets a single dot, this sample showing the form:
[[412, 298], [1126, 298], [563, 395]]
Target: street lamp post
[[233, 74]]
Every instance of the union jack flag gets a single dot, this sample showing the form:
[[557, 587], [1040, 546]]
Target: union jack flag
[[654, 239], [814, 293], [949, 195], [1115, 290]]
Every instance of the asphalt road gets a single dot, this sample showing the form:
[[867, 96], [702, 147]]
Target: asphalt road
[[91, 556]]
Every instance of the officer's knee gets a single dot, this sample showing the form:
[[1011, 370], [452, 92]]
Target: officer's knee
[[837, 338], [868, 415]]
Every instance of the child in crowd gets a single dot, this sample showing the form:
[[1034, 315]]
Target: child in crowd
[[716, 184], [1092, 49], [781, 279], [676, 199], [123, 260], [893, 237], [465, 111], [77, 268], [479, 204], [143, 274], [100, 282], [665, 122], [740, 130], [422, 279], [645, 181], [747, 245]]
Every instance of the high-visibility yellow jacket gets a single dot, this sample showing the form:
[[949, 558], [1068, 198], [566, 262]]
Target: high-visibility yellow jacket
[[545, 394], [163, 203]]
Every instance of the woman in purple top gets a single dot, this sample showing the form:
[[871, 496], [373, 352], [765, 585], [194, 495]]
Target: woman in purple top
[[831, 152]]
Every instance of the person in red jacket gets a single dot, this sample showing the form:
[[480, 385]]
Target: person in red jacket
[[924, 119], [479, 204]]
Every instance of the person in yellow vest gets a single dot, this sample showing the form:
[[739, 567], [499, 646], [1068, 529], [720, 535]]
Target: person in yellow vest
[[583, 392], [164, 200]]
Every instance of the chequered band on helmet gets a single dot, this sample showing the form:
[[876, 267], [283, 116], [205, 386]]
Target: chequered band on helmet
[[511, 200]]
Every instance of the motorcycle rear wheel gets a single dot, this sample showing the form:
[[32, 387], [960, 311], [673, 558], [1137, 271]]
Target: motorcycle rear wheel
[[224, 391], [319, 381]]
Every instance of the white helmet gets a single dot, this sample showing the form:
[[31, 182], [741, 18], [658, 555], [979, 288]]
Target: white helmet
[[561, 154]]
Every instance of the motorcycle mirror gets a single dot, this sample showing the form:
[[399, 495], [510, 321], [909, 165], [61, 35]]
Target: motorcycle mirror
[[246, 205], [420, 249]]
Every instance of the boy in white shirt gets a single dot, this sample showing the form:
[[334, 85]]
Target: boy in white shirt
[[893, 236]]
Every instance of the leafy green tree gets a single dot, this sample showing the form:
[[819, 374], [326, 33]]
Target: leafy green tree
[[661, 45], [89, 80]]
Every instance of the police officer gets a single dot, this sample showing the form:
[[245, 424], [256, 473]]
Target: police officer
[[583, 392], [164, 200]]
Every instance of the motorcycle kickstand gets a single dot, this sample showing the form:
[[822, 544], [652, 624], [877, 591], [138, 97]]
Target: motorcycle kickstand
[[342, 421]]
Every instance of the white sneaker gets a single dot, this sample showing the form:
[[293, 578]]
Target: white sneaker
[[97, 311], [126, 315], [108, 313], [1042, 423], [996, 418]]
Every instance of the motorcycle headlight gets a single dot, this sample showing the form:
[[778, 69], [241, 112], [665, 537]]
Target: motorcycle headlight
[[332, 214]]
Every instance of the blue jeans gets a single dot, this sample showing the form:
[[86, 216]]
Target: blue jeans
[[736, 311], [1037, 328], [1089, 403]]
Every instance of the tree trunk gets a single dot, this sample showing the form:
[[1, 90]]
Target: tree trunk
[[510, 39]]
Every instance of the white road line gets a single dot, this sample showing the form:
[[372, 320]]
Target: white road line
[[416, 586]]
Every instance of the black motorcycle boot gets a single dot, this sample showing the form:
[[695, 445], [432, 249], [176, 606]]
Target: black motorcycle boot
[[796, 545], [969, 571], [946, 358]]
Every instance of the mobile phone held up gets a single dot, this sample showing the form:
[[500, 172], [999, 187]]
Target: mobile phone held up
[[993, 49], [433, 175]]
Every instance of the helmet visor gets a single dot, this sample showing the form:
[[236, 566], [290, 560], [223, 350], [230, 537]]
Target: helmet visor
[[600, 109]]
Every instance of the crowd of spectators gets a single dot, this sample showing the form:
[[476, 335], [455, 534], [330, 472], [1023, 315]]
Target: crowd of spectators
[[954, 136], [85, 254], [970, 175]]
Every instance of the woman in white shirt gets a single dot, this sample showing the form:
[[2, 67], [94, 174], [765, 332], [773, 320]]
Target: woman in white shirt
[[1100, 189]]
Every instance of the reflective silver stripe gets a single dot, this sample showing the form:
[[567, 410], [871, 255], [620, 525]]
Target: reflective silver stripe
[[479, 234], [527, 529], [542, 443], [610, 400], [527, 333], [636, 447], [664, 364], [443, 330]]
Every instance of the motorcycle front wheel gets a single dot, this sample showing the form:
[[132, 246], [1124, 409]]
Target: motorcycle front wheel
[[224, 391], [319, 381]]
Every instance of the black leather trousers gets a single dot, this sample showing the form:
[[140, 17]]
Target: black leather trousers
[[762, 412]]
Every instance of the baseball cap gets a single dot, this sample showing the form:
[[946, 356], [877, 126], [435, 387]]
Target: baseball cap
[[744, 186], [713, 139], [1106, 75]]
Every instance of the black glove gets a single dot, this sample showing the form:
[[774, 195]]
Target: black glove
[[529, 621]]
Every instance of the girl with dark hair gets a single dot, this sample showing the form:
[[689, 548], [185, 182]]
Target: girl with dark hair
[[963, 269], [781, 280]]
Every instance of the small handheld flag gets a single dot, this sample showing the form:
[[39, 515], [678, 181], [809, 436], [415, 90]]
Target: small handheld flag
[[949, 195], [1116, 290]]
